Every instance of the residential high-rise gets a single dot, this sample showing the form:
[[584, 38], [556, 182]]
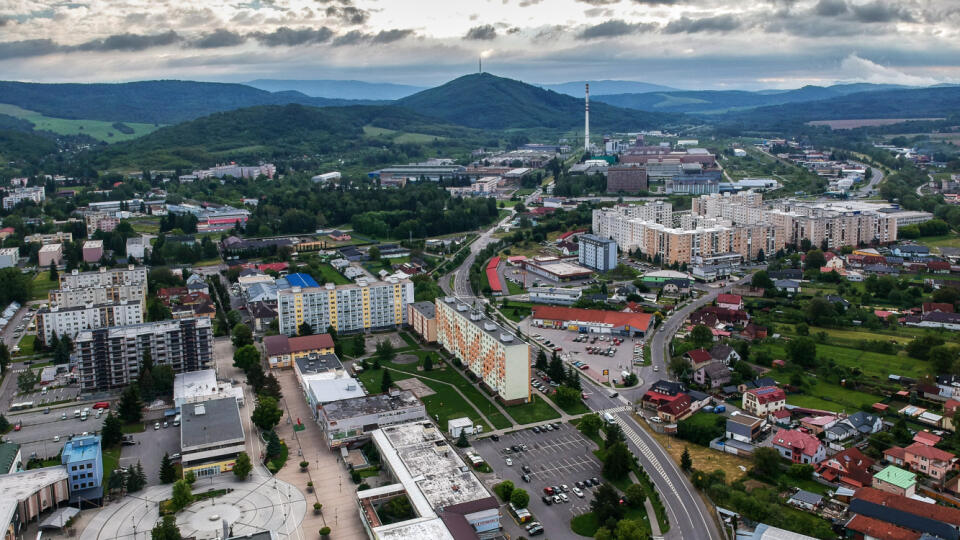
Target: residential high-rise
[[109, 358], [19, 195], [104, 277], [597, 253], [101, 294], [361, 306], [490, 351], [73, 320]]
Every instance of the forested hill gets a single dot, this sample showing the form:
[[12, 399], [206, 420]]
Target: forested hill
[[491, 102], [152, 102], [937, 102], [268, 132], [720, 101]]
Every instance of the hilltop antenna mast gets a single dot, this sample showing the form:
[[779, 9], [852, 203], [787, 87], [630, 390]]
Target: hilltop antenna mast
[[480, 64], [586, 120]]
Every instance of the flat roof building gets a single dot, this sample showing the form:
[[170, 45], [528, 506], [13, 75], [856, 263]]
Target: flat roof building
[[422, 317], [362, 306], [350, 421], [27, 494], [282, 350], [211, 436], [556, 268]]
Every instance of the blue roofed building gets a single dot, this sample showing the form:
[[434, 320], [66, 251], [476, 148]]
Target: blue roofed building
[[83, 459], [296, 280]]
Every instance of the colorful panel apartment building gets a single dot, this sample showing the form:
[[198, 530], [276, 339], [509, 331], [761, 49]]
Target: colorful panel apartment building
[[358, 307]]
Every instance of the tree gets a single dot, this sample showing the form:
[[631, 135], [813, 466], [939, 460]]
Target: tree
[[686, 463], [701, 336], [387, 381], [428, 363], [54, 276], [168, 473], [462, 441], [241, 335], [130, 407], [112, 433], [374, 253], [267, 413], [304, 329], [617, 461], [133, 482], [274, 445], [541, 363], [4, 424], [567, 397], [820, 312], [631, 380], [766, 462], [117, 482], [802, 351], [555, 369], [166, 530], [801, 471], [504, 489], [182, 495], [606, 504], [590, 425], [385, 351], [612, 433], [942, 358], [920, 347], [762, 280], [242, 466], [814, 259], [4, 357], [635, 495], [246, 357], [520, 498]]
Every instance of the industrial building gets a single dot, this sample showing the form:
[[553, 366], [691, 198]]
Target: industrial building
[[448, 500], [350, 421], [592, 321], [358, 307], [554, 295], [109, 358], [626, 178], [211, 436], [490, 351], [556, 269], [597, 253]]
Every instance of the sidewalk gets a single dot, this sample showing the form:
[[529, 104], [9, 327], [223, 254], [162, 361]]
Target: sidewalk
[[332, 485]]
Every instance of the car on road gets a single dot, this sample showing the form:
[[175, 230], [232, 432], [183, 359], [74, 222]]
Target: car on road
[[557, 499], [595, 481], [534, 529], [63, 416], [56, 438], [495, 437], [564, 488], [18, 426]]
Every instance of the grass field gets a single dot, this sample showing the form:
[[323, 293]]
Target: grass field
[[537, 410], [872, 364], [587, 524], [26, 344], [827, 396], [42, 284], [703, 458], [400, 136], [104, 131], [578, 408], [950, 240], [330, 275], [111, 460]]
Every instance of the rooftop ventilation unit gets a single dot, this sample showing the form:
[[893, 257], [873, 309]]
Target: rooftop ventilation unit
[[506, 338], [475, 316], [199, 410], [448, 299], [489, 326], [462, 307]]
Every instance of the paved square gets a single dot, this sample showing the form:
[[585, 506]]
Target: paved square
[[562, 456]]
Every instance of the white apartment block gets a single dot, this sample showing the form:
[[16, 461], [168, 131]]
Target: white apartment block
[[104, 277], [81, 296], [360, 306], [71, 321], [834, 225], [19, 195], [109, 358], [9, 257], [490, 351], [739, 208]]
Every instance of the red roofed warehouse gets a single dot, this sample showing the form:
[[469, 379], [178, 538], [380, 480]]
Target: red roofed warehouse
[[492, 277], [592, 320]]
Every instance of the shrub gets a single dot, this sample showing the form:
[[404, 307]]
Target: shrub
[[325, 532], [304, 464]]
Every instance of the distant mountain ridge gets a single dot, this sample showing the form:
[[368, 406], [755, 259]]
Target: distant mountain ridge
[[486, 101], [606, 87], [152, 102], [722, 101], [338, 89]]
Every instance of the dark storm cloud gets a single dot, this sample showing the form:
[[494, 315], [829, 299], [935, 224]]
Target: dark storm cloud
[[350, 38], [218, 38], [389, 36], [614, 28], [28, 48], [719, 23], [130, 42], [880, 12], [289, 37], [348, 14], [484, 32], [830, 8]]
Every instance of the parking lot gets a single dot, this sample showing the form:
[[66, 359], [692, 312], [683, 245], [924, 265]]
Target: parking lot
[[52, 395], [553, 458], [149, 450], [622, 359], [38, 430]]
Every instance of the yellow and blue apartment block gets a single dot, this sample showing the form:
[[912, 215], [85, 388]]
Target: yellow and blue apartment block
[[357, 307]]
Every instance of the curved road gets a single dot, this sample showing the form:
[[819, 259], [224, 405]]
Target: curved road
[[876, 176]]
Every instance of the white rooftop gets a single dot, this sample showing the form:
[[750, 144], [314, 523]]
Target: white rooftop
[[432, 528], [194, 384], [334, 389]]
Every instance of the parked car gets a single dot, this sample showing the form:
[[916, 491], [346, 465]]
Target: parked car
[[156, 426]]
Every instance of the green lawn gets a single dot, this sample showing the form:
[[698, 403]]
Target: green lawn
[[42, 284], [832, 397], [102, 130], [514, 288], [872, 364], [445, 404], [587, 524], [408, 339], [578, 408], [950, 240], [111, 460], [452, 376], [26, 344], [537, 410], [329, 275]]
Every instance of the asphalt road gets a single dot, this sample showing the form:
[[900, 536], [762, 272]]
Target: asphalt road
[[39, 430], [876, 177]]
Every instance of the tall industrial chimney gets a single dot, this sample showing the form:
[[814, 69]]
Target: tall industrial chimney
[[586, 121]]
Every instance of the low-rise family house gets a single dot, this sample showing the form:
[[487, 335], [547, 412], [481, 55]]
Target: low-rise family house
[[661, 392], [895, 480], [799, 447], [850, 468], [763, 401], [675, 410], [855, 425], [712, 375], [919, 457], [721, 352], [743, 427]]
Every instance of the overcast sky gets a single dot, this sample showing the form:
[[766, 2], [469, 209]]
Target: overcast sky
[[695, 44]]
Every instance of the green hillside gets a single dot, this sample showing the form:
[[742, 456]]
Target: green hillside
[[276, 132], [98, 129], [149, 102], [490, 102]]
